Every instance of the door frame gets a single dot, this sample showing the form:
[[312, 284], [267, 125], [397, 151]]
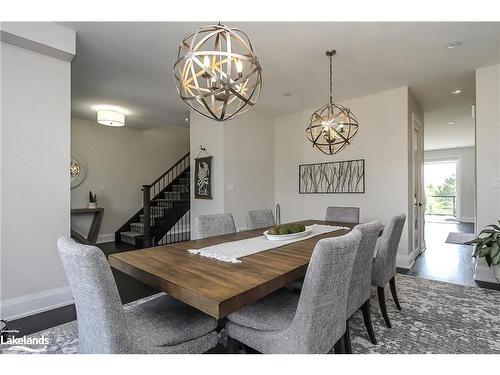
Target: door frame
[[420, 232]]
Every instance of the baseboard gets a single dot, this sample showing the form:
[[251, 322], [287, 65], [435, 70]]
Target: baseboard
[[106, 237], [35, 303], [484, 273], [405, 261], [467, 220]]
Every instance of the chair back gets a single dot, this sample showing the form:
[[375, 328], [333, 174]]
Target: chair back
[[361, 279], [343, 214], [320, 319], [384, 263], [102, 326], [214, 225], [260, 219]]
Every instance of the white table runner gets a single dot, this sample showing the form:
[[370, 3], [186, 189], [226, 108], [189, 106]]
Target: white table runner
[[231, 251]]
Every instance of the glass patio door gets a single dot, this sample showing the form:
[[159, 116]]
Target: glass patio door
[[441, 190]]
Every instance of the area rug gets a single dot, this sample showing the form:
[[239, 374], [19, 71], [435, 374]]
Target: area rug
[[459, 238], [436, 317]]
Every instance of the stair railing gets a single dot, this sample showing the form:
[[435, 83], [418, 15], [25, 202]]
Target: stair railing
[[151, 192], [157, 186], [147, 239]]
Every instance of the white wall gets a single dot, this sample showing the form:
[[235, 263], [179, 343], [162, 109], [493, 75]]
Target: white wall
[[248, 165], [120, 161], [243, 164], [35, 191], [465, 177], [381, 141], [487, 154]]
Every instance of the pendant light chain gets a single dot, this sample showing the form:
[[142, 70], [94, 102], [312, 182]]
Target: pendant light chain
[[331, 79]]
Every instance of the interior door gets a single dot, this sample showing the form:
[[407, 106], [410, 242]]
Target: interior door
[[418, 188]]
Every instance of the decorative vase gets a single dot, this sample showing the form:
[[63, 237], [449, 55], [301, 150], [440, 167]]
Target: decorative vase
[[92, 204], [496, 271]]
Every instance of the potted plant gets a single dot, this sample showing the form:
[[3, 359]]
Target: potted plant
[[92, 200], [487, 246]]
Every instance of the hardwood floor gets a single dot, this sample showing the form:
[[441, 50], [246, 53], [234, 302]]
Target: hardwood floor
[[44, 320]]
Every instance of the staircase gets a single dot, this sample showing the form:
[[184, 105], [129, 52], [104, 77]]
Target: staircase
[[165, 215]]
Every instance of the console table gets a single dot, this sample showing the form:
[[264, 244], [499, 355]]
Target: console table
[[94, 227]]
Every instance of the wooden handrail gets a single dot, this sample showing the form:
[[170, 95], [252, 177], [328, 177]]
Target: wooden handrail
[[169, 170]]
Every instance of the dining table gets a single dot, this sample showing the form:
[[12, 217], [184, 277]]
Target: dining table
[[215, 287]]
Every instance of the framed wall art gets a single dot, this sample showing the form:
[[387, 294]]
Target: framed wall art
[[203, 177], [339, 177]]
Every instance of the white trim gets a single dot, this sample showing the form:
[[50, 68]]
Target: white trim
[[405, 261], [46, 38], [465, 219], [35, 303], [105, 237]]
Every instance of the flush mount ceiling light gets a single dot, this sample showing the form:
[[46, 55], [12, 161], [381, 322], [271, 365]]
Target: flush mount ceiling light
[[110, 115], [456, 92], [331, 127], [217, 72], [451, 122], [455, 44], [110, 118]]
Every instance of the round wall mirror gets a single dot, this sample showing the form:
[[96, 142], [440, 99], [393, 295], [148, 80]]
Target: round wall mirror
[[77, 170]]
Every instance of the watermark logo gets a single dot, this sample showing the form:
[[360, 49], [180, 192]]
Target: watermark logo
[[24, 340]]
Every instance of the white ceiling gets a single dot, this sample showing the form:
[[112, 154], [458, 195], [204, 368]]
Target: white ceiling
[[439, 134], [130, 64]]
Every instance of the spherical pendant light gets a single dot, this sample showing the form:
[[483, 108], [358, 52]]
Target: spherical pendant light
[[217, 72], [331, 127]]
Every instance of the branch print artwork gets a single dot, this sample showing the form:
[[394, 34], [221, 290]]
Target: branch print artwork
[[332, 178]]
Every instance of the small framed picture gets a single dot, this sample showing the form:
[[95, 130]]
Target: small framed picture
[[203, 178]]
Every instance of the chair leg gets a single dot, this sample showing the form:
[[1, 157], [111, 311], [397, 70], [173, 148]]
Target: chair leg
[[365, 309], [347, 338], [339, 346], [392, 284], [232, 345], [383, 308]]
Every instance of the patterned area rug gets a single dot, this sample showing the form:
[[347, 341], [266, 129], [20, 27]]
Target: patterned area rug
[[459, 238], [436, 317]]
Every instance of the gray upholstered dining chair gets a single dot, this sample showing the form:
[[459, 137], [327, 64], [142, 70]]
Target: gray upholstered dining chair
[[161, 325], [260, 219], [360, 285], [342, 214], [384, 263], [214, 225], [313, 322]]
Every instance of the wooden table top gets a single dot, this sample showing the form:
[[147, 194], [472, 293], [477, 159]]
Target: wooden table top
[[214, 287]]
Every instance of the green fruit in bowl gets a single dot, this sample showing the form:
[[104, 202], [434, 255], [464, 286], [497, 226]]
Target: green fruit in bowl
[[273, 231], [284, 230]]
